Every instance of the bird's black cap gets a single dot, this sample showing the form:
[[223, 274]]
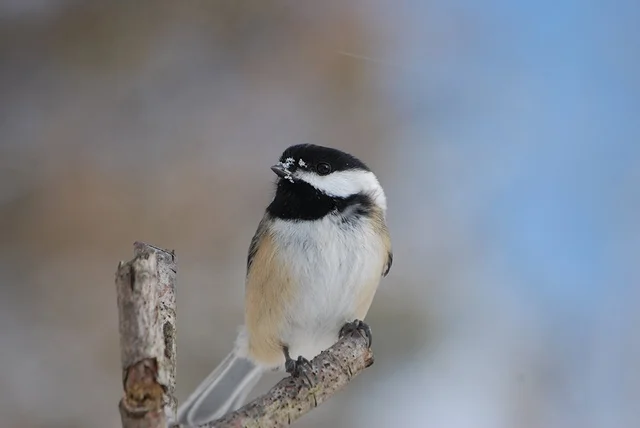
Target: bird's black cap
[[310, 156]]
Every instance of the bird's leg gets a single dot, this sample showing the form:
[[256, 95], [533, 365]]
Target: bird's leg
[[359, 326], [297, 368]]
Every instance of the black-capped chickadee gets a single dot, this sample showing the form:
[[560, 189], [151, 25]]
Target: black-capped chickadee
[[313, 267]]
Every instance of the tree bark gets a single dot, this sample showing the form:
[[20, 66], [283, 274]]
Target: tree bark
[[145, 289], [146, 294], [292, 397]]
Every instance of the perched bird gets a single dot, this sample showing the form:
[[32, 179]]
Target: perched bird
[[314, 265]]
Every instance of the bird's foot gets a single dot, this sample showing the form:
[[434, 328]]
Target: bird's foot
[[299, 368], [359, 326]]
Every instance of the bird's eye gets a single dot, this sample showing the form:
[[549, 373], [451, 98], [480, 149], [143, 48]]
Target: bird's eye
[[323, 168]]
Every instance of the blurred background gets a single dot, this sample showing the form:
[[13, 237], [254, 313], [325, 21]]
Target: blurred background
[[506, 135]]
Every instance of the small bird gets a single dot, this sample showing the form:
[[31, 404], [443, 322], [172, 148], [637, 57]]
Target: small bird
[[313, 267]]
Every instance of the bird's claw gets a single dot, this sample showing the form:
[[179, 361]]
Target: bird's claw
[[299, 368], [359, 326]]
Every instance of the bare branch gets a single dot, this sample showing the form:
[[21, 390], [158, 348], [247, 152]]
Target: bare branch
[[291, 398], [147, 314]]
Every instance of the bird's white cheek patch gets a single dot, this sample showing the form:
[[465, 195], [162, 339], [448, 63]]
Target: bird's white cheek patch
[[343, 184]]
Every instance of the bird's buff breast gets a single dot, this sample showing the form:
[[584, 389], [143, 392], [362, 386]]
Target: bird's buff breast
[[335, 269]]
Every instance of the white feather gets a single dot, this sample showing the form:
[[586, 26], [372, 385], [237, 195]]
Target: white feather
[[332, 262], [343, 184]]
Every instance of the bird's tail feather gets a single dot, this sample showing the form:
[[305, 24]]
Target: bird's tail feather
[[224, 390]]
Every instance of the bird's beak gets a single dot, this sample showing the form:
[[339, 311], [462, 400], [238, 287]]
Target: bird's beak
[[280, 170]]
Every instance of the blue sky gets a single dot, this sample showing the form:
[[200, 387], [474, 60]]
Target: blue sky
[[546, 90], [542, 101]]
